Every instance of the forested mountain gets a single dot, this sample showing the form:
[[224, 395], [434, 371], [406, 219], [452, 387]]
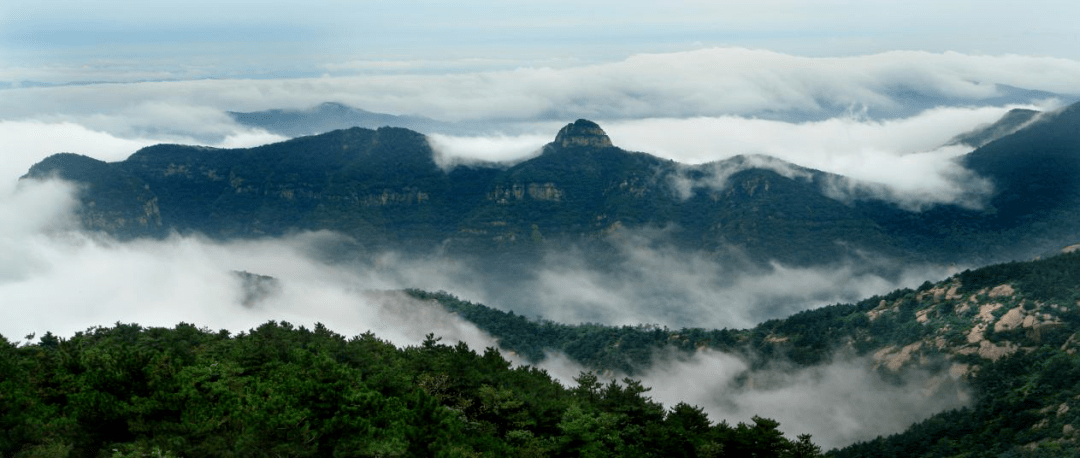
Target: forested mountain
[[383, 188], [1010, 331]]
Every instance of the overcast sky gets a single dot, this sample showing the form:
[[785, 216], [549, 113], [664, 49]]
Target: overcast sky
[[69, 40]]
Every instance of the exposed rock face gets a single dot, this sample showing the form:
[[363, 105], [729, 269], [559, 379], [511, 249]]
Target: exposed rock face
[[582, 133], [517, 191]]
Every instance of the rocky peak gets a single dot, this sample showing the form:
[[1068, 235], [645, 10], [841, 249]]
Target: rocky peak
[[582, 133]]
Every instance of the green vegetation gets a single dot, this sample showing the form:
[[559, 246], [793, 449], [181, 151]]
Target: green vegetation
[[627, 349], [1053, 279], [277, 390], [1027, 406], [1025, 400]]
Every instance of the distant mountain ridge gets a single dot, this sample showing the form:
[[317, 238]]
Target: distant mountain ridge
[[1013, 121], [329, 116], [383, 188]]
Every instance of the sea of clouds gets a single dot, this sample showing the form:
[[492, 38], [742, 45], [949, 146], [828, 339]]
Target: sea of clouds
[[840, 115]]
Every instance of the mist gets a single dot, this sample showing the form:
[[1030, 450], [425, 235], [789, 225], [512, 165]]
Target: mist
[[839, 115], [651, 282], [839, 402], [60, 280], [56, 278]]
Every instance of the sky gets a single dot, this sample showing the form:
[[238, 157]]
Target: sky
[[868, 89], [124, 40]]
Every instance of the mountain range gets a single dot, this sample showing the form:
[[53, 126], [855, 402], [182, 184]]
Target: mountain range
[[329, 116], [385, 190], [1001, 339]]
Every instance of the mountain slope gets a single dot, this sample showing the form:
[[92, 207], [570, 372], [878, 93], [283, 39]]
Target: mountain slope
[[1013, 121], [1009, 331]]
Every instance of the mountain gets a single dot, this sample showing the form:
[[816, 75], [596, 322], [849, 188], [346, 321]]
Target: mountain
[[383, 188], [1013, 121], [329, 116], [1010, 332], [1034, 169]]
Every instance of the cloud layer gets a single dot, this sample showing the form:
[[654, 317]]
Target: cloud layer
[[55, 278], [853, 116], [653, 283], [708, 82], [879, 119]]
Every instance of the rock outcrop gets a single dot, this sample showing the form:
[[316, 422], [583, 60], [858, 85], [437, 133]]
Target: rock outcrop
[[582, 133]]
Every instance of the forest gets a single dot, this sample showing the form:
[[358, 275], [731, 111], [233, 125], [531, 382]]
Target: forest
[[280, 390]]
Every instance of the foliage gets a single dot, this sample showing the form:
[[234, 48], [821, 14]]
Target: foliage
[[1024, 404], [627, 349], [278, 390], [1024, 408]]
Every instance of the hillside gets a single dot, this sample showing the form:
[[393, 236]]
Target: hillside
[[1009, 331]]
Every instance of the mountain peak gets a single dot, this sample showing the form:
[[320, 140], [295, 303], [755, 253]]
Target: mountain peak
[[582, 133]]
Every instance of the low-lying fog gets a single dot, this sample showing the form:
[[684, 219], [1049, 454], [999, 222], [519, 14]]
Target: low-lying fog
[[56, 278]]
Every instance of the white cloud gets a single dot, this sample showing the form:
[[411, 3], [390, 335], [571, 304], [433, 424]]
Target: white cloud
[[708, 82], [55, 279], [454, 150], [651, 282], [27, 142], [694, 107], [838, 403], [899, 160]]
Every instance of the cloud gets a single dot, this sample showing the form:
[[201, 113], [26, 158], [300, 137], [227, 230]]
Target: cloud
[[451, 151], [56, 279], [694, 107], [652, 282], [286, 38], [709, 82], [716, 174], [25, 143], [838, 403], [900, 160]]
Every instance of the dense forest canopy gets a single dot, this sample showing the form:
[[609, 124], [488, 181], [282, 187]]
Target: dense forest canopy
[[279, 390]]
